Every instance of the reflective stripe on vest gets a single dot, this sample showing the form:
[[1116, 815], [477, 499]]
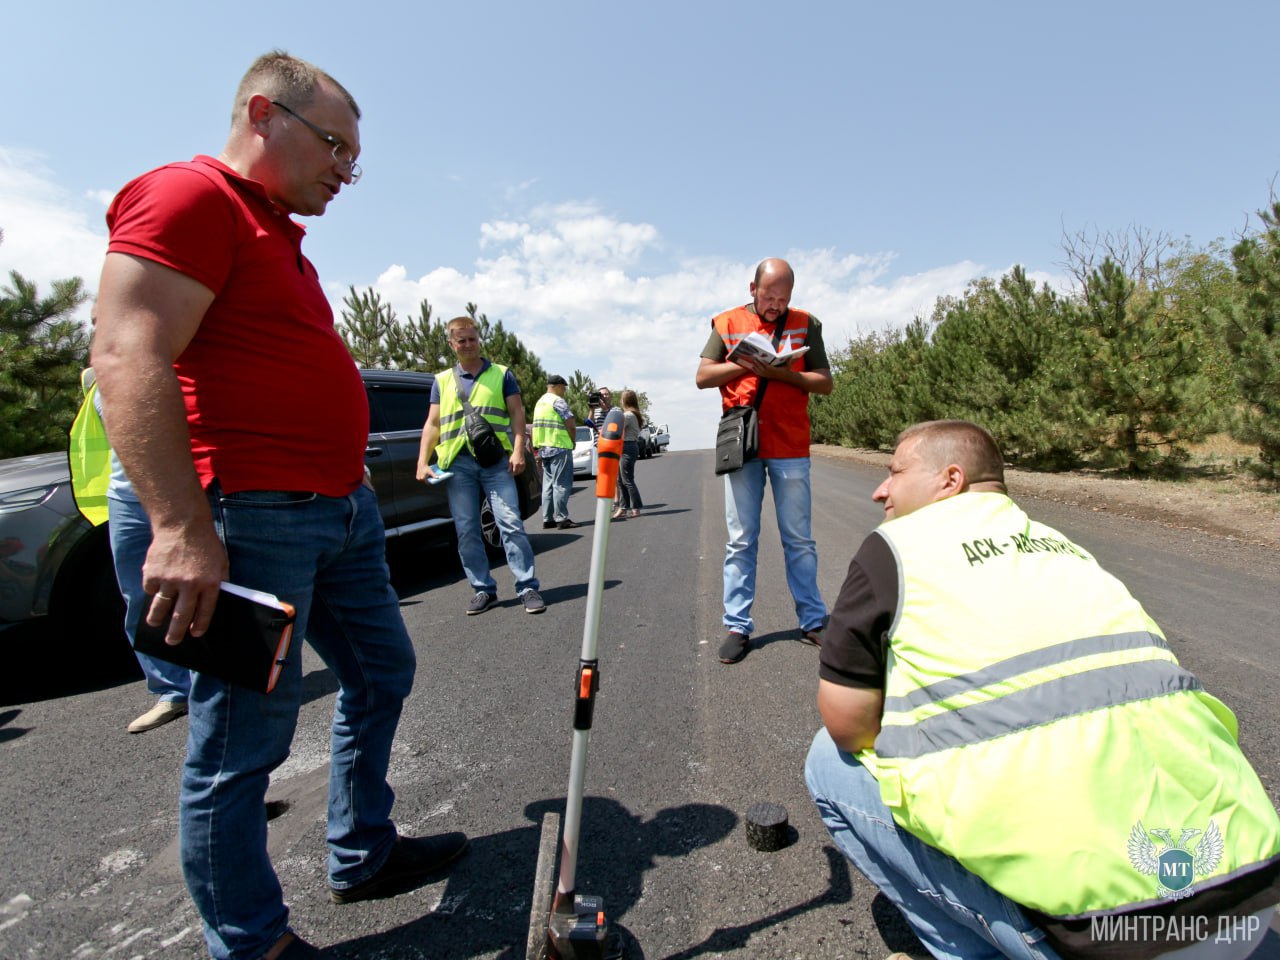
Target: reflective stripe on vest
[[549, 430], [784, 413], [486, 399], [89, 456], [1007, 697], [1034, 715]]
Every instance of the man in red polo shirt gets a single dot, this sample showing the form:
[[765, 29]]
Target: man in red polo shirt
[[783, 459], [241, 420]]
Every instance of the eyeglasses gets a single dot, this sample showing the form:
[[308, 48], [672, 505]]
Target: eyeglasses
[[341, 152]]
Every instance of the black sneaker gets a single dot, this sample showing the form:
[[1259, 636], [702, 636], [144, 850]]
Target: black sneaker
[[298, 949], [548, 524], [411, 859], [480, 603], [734, 647], [567, 524], [813, 637], [533, 602]]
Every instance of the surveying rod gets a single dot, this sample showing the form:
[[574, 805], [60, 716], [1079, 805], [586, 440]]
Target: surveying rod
[[578, 929]]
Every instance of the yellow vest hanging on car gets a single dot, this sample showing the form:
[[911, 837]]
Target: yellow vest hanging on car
[[1038, 729], [89, 455]]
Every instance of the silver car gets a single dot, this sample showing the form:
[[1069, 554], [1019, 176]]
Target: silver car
[[52, 560]]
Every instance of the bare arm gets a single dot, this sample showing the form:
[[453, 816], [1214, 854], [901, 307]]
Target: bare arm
[[850, 714], [515, 410], [713, 374], [430, 437], [810, 381], [146, 316], [717, 374]]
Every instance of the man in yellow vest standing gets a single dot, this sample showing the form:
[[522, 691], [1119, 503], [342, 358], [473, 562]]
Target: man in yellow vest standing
[[492, 391], [553, 436], [1012, 753]]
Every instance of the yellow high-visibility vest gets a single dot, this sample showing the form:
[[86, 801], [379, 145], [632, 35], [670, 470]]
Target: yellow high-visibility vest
[[549, 430], [1038, 728], [487, 400], [89, 454]]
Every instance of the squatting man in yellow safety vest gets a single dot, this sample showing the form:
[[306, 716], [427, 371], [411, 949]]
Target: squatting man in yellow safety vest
[[1011, 752]]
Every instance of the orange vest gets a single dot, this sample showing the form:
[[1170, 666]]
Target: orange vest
[[784, 413]]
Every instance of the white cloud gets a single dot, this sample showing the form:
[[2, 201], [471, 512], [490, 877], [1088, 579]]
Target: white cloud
[[48, 234], [564, 278]]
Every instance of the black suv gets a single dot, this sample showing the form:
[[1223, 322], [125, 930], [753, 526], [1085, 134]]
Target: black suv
[[53, 562]]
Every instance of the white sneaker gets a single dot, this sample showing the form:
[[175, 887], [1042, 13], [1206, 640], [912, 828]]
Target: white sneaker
[[159, 715]]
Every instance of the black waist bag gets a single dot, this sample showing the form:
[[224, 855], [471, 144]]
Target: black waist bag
[[737, 439], [482, 440]]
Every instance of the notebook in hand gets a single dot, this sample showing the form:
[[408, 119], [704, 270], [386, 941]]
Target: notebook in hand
[[246, 643], [757, 346]]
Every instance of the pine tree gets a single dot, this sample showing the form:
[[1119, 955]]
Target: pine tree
[[1251, 327], [422, 343], [43, 349], [1003, 355], [1143, 375], [367, 327]]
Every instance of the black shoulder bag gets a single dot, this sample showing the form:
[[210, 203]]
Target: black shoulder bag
[[482, 439], [738, 435]]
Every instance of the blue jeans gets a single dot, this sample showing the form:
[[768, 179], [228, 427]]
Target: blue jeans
[[557, 485], [130, 533], [471, 481], [743, 498], [953, 912], [630, 498], [326, 556]]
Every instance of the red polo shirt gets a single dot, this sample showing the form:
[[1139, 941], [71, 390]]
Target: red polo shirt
[[273, 398]]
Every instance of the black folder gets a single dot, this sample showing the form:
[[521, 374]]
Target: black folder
[[246, 643]]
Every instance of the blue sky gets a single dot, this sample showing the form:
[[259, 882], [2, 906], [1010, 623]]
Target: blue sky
[[604, 177]]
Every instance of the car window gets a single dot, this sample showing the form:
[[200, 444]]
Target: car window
[[583, 433], [400, 408]]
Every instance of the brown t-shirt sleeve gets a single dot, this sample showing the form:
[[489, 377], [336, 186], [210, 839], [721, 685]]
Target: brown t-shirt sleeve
[[816, 358], [714, 350], [853, 650]]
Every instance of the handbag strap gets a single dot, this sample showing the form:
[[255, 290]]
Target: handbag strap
[[777, 339], [457, 388]]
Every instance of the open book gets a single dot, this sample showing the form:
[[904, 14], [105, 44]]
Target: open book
[[757, 346], [246, 643]]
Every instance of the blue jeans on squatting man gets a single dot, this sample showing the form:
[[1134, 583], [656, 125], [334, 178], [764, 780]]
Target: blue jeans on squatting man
[[130, 532], [469, 481], [557, 485], [326, 556], [743, 499], [955, 913]]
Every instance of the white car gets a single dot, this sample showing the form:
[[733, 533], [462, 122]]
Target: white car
[[659, 437], [584, 452]]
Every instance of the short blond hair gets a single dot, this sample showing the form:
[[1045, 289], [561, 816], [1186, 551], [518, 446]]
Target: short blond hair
[[290, 80], [459, 323], [944, 442]]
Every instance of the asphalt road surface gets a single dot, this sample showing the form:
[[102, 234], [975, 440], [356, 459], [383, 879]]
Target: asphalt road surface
[[682, 747]]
